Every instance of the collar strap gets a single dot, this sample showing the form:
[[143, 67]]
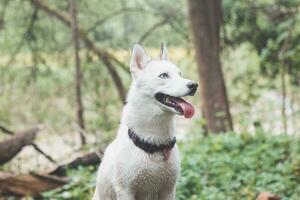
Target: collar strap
[[150, 147]]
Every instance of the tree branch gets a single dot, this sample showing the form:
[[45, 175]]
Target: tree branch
[[93, 158], [6, 130], [111, 15], [38, 149], [179, 31], [35, 146], [10, 147], [152, 29], [103, 55], [19, 46]]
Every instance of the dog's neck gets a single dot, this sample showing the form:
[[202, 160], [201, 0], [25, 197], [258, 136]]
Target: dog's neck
[[149, 121]]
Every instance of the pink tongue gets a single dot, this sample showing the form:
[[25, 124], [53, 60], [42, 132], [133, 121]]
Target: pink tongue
[[188, 109]]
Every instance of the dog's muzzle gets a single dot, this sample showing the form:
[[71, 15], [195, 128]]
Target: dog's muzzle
[[193, 88]]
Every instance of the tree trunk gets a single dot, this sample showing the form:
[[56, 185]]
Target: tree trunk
[[205, 18], [283, 102], [78, 74], [284, 66]]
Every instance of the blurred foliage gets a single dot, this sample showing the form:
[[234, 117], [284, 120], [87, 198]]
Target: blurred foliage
[[36, 62], [113, 24], [272, 27]]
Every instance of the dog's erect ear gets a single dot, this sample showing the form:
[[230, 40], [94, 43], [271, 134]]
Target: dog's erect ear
[[139, 60], [163, 52]]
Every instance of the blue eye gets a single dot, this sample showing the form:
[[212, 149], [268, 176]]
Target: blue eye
[[164, 75]]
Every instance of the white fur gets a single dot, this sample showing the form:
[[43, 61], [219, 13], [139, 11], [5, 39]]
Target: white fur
[[127, 172]]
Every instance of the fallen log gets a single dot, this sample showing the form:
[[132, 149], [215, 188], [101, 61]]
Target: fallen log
[[34, 184], [35, 146], [9, 148], [93, 158], [29, 184]]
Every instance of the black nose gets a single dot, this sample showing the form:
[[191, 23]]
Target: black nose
[[192, 85], [193, 88]]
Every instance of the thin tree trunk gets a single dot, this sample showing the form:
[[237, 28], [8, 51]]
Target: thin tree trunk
[[205, 20], [283, 105], [107, 58], [282, 57], [78, 74], [126, 22], [294, 122]]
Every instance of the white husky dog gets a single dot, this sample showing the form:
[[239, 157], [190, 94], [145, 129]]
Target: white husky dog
[[143, 163]]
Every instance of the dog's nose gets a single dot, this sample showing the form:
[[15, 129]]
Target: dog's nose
[[192, 85], [193, 88]]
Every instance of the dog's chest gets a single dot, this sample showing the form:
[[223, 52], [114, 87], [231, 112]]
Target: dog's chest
[[154, 173]]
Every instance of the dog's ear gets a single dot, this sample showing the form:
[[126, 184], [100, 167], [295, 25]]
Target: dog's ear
[[163, 52], [139, 60]]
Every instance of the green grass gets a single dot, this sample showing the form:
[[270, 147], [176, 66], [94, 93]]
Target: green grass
[[220, 167]]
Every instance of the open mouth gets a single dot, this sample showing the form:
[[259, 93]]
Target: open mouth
[[177, 103]]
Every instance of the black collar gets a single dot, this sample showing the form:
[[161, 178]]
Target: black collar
[[149, 147]]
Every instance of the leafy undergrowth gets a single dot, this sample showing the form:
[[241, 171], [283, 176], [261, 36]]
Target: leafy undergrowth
[[220, 167], [81, 186], [231, 166]]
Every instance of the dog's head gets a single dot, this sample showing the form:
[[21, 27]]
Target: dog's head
[[161, 80]]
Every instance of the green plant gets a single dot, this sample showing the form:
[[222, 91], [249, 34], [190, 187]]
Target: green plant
[[81, 186], [233, 166]]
